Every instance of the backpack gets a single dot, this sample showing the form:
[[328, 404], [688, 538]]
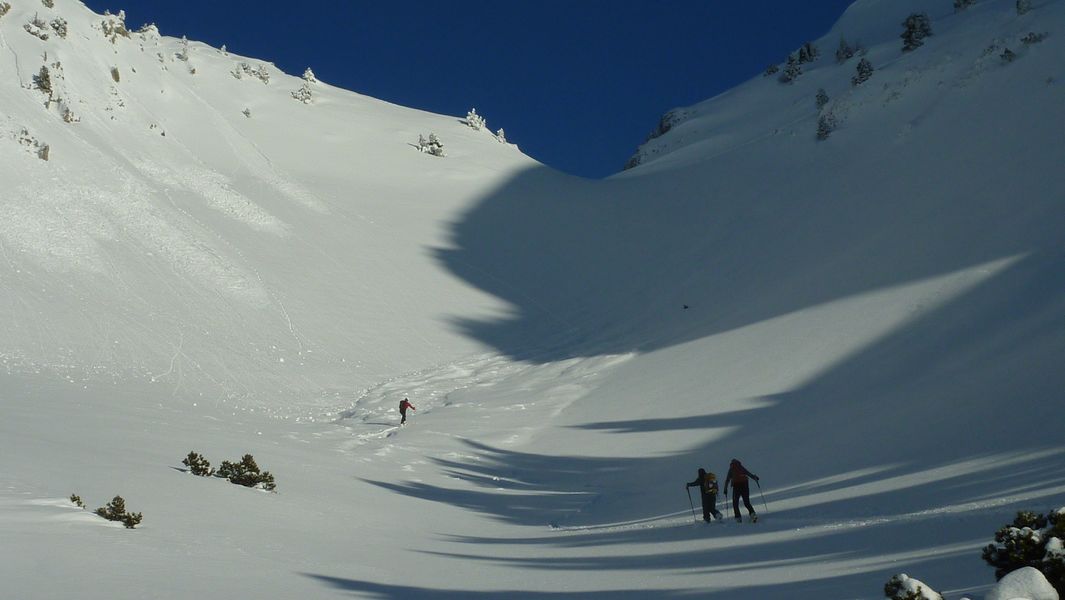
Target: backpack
[[709, 485]]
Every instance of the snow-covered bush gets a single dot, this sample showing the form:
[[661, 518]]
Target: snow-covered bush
[[48, 3], [43, 81], [1032, 540], [259, 72], [960, 5], [821, 99], [183, 53], [115, 75], [475, 120], [826, 124], [303, 94], [501, 136], [903, 587], [807, 53], [1023, 6], [37, 28], [1026, 583], [59, 26], [76, 501], [308, 76], [246, 112], [198, 465], [1008, 55], [114, 26], [116, 511], [431, 146], [918, 27], [4, 7], [865, 71], [771, 70], [246, 473], [1033, 38], [792, 70], [41, 149], [845, 51]]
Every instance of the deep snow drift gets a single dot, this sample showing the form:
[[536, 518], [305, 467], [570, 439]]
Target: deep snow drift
[[872, 322]]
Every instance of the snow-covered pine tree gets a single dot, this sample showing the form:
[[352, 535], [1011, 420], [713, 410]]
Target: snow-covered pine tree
[[501, 136], [183, 53], [844, 52], [303, 94], [821, 99], [59, 26], [1008, 56], [436, 148], [308, 76], [43, 81], [826, 124], [808, 53], [771, 70], [4, 7], [1032, 540], [792, 70], [865, 71], [1023, 6], [37, 28], [918, 27], [904, 587], [475, 120], [48, 3]]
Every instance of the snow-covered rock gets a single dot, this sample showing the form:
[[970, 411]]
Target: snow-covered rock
[[1023, 584]]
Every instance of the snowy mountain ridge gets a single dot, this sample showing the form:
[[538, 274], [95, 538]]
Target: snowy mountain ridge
[[870, 321]]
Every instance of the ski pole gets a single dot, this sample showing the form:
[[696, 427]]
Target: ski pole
[[762, 495], [688, 489]]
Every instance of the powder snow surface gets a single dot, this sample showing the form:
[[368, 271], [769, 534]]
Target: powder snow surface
[[872, 323]]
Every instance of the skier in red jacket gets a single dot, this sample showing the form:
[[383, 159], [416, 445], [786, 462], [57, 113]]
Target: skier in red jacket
[[741, 488], [403, 406]]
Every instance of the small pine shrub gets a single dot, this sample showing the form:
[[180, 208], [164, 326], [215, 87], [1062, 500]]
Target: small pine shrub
[[1023, 6], [475, 121], [821, 99], [826, 124], [501, 136], [903, 587], [76, 501], [865, 71], [4, 7], [792, 70], [59, 26], [246, 473], [48, 3], [807, 53], [1034, 38], [198, 465], [431, 146], [43, 80], [918, 27], [309, 77], [845, 51], [960, 5], [771, 70], [1008, 56], [303, 94], [1032, 540], [37, 28], [116, 511], [115, 75]]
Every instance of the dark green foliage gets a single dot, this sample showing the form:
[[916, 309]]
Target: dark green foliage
[[198, 465], [246, 473], [808, 53], [865, 71], [845, 51], [821, 99], [895, 589], [918, 27], [76, 501], [826, 124], [43, 80], [770, 70], [792, 70], [1032, 540], [116, 511]]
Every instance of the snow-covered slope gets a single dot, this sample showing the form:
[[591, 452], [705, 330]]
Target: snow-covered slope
[[872, 322], [193, 195]]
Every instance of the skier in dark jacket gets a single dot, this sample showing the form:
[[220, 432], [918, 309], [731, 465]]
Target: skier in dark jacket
[[403, 406], [737, 475], [707, 484]]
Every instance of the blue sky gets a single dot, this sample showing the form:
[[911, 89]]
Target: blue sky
[[577, 84]]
